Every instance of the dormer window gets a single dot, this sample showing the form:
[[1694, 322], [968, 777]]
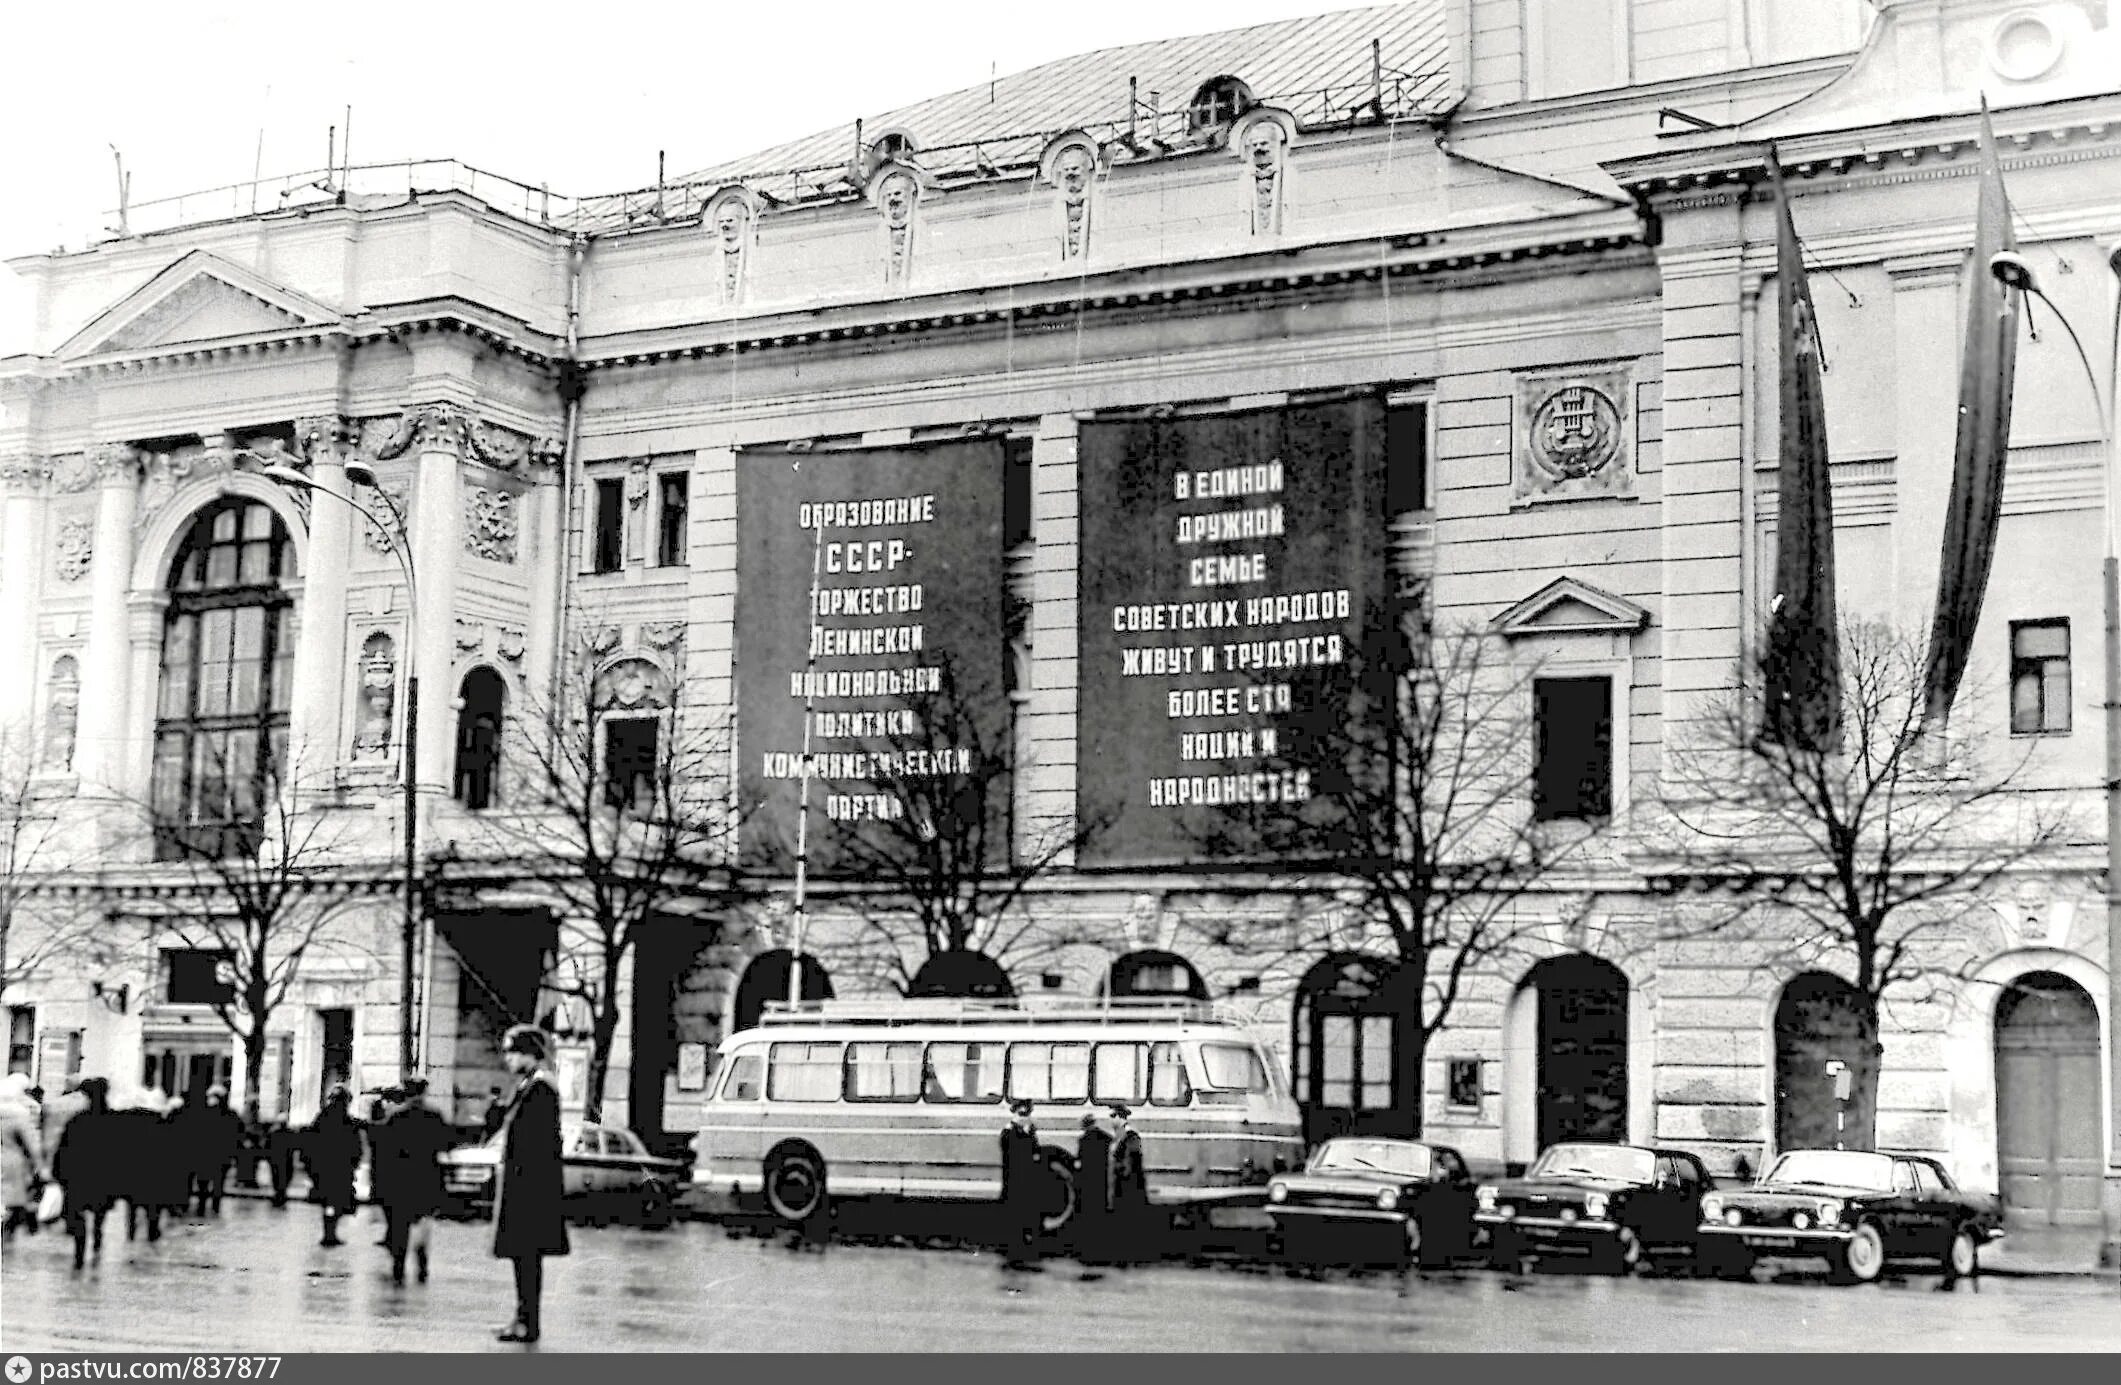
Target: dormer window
[[1217, 104], [893, 146]]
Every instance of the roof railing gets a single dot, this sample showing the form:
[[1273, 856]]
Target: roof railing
[[1025, 1010]]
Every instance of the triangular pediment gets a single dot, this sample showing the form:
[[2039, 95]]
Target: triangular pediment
[[1566, 606], [199, 298]]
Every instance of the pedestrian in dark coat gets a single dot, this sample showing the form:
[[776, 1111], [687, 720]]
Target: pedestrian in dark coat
[[87, 1164], [208, 1133], [333, 1150], [1023, 1177], [281, 1145], [1130, 1189], [528, 1219], [1093, 1189], [408, 1175], [154, 1172]]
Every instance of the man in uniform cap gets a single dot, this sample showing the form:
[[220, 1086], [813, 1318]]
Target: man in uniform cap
[[1130, 1187], [528, 1220], [1093, 1189], [1022, 1175]]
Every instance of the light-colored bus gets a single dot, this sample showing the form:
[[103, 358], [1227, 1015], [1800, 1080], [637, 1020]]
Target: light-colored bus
[[908, 1099]]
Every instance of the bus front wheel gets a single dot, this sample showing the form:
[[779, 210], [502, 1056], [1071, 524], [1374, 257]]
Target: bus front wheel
[[795, 1184]]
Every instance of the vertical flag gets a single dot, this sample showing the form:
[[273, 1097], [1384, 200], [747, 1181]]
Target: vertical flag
[[1987, 364], [1802, 660]]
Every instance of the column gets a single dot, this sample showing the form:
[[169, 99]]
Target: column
[[1056, 534], [545, 546], [100, 757], [320, 616], [21, 480], [437, 521]]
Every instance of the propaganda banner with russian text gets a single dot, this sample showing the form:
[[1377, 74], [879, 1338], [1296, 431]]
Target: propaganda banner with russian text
[[1232, 578], [898, 660]]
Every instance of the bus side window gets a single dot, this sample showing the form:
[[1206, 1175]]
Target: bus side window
[[742, 1083], [1167, 1076], [1121, 1073], [883, 1072], [804, 1072], [964, 1073], [1049, 1072]]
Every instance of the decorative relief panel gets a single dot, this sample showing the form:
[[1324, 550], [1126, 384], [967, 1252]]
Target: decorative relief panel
[[729, 215], [62, 714], [471, 635], [378, 697], [490, 525], [632, 685], [1262, 140], [74, 549], [509, 643], [1574, 436], [72, 473], [1070, 165], [24, 475], [898, 196], [384, 502]]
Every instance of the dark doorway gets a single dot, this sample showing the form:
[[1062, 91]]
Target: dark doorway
[[336, 1064], [2048, 1102], [1356, 1042], [765, 979], [1583, 1050], [664, 954], [1818, 1021]]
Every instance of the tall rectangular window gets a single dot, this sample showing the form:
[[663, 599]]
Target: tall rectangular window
[[1407, 458], [2040, 677], [630, 749], [21, 1037], [670, 519], [1572, 775], [1016, 491], [610, 552]]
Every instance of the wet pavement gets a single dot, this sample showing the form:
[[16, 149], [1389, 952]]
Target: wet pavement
[[256, 1281]]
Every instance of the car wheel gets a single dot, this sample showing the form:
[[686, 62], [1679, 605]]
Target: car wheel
[[1962, 1258], [1623, 1254], [795, 1185], [1863, 1258]]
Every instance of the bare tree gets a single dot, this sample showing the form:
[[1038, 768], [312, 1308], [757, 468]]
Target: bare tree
[[1865, 857], [262, 874], [38, 923], [944, 866], [620, 811], [1432, 833]]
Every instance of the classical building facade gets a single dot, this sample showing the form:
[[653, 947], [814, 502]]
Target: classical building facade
[[1510, 257]]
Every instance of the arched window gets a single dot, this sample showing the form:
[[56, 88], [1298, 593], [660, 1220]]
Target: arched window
[[484, 697], [1217, 103], [227, 675], [1356, 1039]]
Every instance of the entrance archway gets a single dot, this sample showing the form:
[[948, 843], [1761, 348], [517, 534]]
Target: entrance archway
[[1817, 1021], [765, 979], [2048, 1102], [1583, 1049], [1356, 1042]]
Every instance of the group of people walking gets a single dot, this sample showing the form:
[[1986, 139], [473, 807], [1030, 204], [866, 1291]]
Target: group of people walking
[[157, 1164], [1111, 1222]]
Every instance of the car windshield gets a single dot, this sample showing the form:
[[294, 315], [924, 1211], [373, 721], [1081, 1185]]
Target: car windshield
[[1618, 1162], [1378, 1156], [1834, 1168]]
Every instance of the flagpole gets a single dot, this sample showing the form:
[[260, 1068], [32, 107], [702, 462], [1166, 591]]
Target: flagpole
[[802, 812]]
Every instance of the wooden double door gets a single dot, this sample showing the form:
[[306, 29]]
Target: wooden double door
[[2048, 1102]]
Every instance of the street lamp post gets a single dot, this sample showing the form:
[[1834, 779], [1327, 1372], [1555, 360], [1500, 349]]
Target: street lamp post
[[409, 1057], [2014, 271]]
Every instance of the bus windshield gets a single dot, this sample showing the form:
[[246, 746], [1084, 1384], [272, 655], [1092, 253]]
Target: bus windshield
[[1233, 1068]]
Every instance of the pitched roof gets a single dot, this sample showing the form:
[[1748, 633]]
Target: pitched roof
[[1318, 67]]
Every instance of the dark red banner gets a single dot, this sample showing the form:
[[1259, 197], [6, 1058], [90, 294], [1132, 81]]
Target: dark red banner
[[1232, 566], [899, 659]]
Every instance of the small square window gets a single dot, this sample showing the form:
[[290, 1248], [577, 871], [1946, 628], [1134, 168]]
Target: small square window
[[2040, 691], [1462, 1082]]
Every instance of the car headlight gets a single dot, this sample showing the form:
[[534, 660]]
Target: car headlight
[[1486, 1197], [1829, 1212], [1711, 1208], [1277, 1192], [1733, 1217], [1569, 1214], [1801, 1220], [1507, 1213], [1594, 1205], [1387, 1199]]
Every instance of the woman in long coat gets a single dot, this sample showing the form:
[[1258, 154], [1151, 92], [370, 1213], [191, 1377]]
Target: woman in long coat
[[528, 1216], [21, 1153], [333, 1151]]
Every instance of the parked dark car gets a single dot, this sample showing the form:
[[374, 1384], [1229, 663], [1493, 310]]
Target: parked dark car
[[1618, 1204], [1417, 1192], [1855, 1210]]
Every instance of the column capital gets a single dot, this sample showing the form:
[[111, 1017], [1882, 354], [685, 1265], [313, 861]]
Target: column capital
[[23, 474], [323, 439], [437, 426], [115, 463]]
